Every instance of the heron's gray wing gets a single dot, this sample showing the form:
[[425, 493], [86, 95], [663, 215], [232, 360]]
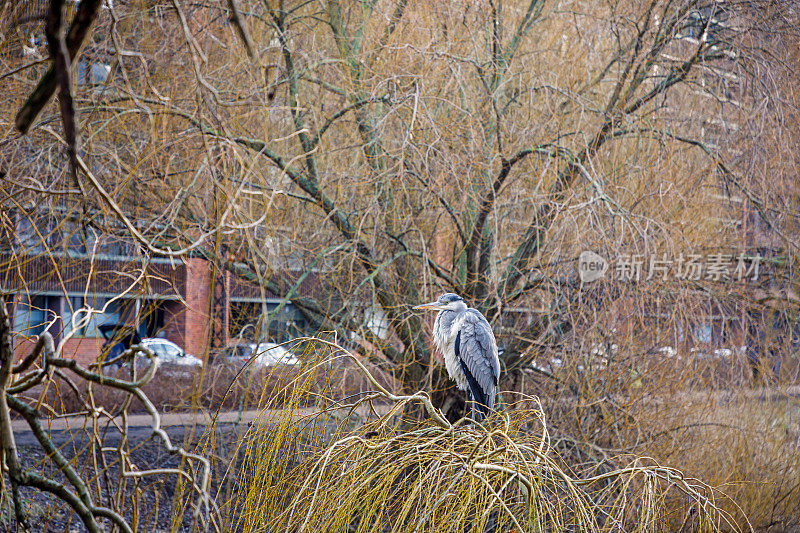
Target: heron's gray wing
[[476, 350]]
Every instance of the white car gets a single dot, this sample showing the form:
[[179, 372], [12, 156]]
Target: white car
[[172, 359], [263, 354]]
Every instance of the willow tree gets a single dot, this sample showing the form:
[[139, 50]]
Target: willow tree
[[406, 148]]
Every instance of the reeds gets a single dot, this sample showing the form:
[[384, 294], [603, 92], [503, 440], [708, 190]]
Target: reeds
[[311, 468]]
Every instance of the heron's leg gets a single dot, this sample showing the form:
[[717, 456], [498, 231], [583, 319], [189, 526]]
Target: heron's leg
[[475, 412], [472, 408]]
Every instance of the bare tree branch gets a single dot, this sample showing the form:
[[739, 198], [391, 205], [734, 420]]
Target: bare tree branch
[[75, 38]]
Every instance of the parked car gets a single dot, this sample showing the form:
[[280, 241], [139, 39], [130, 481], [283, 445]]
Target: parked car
[[172, 359], [264, 354], [550, 368]]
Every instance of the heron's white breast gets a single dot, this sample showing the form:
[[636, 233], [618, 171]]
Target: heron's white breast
[[445, 340]]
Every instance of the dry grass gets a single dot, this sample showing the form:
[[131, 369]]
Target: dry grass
[[345, 465], [704, 416], [746, 442], [217, 387]]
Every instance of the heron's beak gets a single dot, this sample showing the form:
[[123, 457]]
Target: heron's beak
[[431, 305]]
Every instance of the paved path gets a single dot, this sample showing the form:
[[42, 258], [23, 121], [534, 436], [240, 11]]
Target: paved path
[[145, 420], [75, 428], [140, 425]]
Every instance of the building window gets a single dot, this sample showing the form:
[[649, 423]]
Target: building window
[[112, 315], [703, 333], [257, 320], [71, 305], [151, 319], [33, 315], [92, 73]]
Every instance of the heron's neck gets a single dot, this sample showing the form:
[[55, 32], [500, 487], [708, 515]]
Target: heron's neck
[[444, 325]]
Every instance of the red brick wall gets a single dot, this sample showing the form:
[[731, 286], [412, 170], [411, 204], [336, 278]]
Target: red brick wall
[[84, 350], [174, 322], [197, 321], [226, 326]]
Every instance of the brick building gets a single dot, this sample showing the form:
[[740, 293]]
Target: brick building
[[165, 298]]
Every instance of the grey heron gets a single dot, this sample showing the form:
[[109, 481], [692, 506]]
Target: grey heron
[[465, 339]]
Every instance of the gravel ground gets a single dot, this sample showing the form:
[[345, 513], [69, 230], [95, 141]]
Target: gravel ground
[[156, 494]]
